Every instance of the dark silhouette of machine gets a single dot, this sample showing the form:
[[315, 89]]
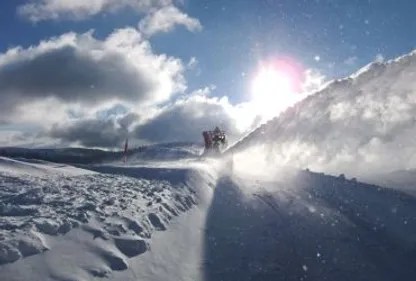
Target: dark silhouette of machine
[[215, 141]]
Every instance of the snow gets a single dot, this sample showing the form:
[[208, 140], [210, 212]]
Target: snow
[[256, 214], [53, 208], [404, 180], [309, 227], [360, 125], [200, 221]]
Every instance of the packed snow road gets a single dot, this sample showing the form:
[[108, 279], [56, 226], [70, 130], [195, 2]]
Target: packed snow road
[[310, 227], [191, 221]]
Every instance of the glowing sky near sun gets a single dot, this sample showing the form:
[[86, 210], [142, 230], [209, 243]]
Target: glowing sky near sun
[[276, 85]]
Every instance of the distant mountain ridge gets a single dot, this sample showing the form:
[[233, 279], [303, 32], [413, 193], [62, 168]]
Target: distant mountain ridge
[[91, 156]]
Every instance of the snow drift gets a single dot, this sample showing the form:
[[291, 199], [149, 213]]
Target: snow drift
[[106, 216], [362, 124], [191, 222], [309, 227]]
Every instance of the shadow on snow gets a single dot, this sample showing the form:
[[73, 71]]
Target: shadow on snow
[[314, 227]]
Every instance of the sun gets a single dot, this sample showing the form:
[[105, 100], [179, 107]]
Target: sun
[[271, 83], [274, 88]]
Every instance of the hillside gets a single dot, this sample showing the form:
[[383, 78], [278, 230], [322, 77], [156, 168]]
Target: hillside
[[196, 221], [359, 125]]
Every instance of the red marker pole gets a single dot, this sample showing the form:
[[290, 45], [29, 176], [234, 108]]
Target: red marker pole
[[125, 151]]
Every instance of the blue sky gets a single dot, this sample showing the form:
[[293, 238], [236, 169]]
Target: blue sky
[[237, 34], [332, 37]]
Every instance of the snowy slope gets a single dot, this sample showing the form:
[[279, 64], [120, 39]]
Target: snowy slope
[[310, 227], [82, 223], [359, 125], [195, 221], [404, 180]]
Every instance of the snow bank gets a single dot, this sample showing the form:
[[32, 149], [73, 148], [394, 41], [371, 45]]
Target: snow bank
[[358, 125], [191, 222], [112, 211], [308, 226]]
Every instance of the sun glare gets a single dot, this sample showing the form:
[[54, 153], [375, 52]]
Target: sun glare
[[275, 87], [271, 83]]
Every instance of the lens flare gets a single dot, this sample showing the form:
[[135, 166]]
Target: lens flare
[[276, 86]]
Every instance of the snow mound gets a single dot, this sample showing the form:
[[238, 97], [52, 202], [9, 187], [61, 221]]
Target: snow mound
[[308, 226], [359, 125], [113, 211], [20, 246], [192, 222], [131, 247]]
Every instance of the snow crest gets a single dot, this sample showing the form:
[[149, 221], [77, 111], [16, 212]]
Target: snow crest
[[360, 125], [120, 205]]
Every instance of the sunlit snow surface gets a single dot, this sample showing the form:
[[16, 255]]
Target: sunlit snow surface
[[110, 213], [199, 220], [362, 125]]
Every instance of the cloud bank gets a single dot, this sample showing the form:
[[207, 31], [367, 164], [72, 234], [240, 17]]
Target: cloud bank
[[165, 20], [181, 120], [159, 15], [79, 69], [76, 89], [187, 118], [41, 10], [90, 133]]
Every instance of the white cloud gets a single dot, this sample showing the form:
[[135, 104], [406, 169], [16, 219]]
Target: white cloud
[[181, 120], [160, 15], [83, 79], [93, 132], [40, 10], [76, 70], [165, 20], [185, 119], [20, 138]]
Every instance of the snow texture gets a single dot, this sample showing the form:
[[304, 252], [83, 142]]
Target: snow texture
[[121, 206], [361, 125], [190, 221], [309, 227]]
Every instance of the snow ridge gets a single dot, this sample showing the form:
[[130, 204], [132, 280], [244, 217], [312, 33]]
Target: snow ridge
[[120, 209], [364, 122]]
